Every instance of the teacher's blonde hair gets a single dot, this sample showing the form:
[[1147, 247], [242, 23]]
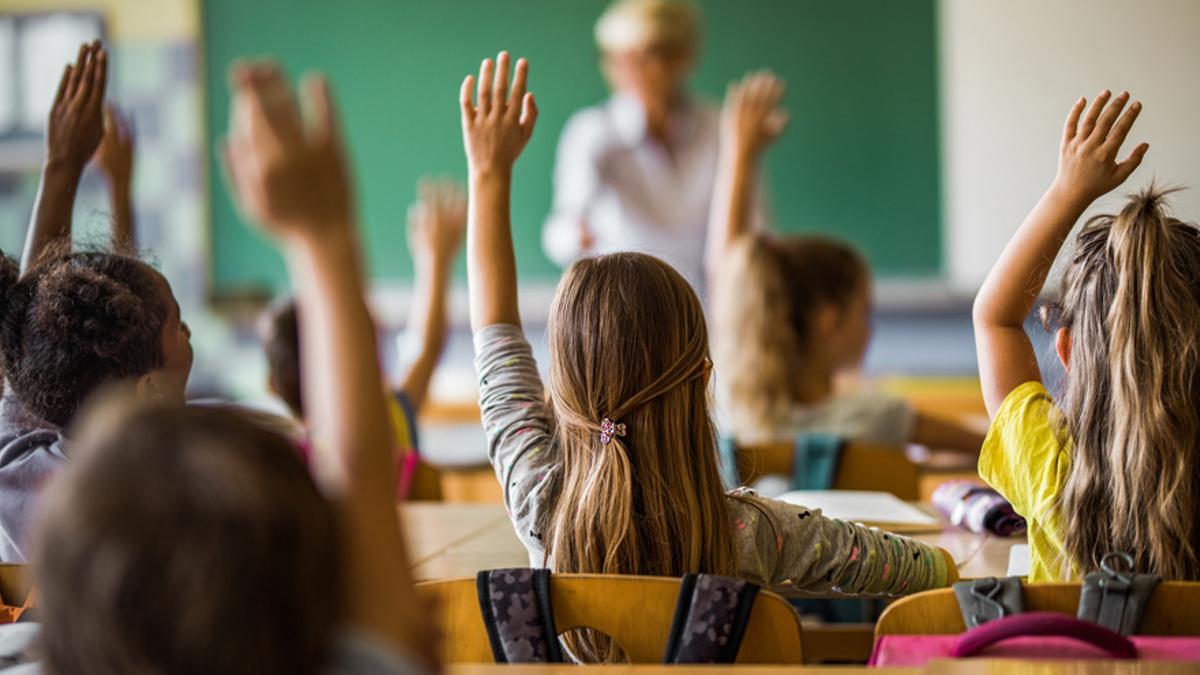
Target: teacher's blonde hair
[[629, 24]]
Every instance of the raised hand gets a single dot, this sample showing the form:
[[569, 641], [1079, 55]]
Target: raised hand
[[114, 156], [1087, 161], [76, 122], [288, 174], [498, 123], [751, 118], [437, 222]]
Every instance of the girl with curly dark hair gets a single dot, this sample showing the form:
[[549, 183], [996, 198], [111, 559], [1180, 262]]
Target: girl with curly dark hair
[[73, 322]]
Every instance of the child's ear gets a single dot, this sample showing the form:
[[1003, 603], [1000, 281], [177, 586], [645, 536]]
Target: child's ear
[[271, 388], [1062, 345], [148, 388]]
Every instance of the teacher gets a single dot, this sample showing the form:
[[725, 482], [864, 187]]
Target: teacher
[[636, 172]]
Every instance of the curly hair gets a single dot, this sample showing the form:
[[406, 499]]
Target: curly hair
[[74, 323]]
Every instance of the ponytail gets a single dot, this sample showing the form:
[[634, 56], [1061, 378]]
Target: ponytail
[[1132, 403]]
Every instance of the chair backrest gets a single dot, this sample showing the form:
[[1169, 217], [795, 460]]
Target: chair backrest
[[863, 466], [1172, 609], [14, 583], [634, 611]]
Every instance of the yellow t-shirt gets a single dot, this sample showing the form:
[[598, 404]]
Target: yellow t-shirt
[[1026, 458]]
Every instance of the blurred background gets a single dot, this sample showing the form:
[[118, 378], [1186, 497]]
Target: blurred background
[[922, 131]]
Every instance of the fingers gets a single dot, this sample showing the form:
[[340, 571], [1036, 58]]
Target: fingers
[[325, 125], [484, 95], [62, 86], [1093, 113], [500, 86], [1109, 117], [520, 78], [777, 122], [1121, 130], [1072, 124], [76, 72], [87, 74], [464, 97], [529, 113], [271, 98], [99, 76], [1131, 163]]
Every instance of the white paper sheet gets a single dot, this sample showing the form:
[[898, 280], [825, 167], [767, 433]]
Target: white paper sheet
[[861, 506], [1018, 561]]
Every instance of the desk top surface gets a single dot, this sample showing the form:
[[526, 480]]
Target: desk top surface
[[456, 540]]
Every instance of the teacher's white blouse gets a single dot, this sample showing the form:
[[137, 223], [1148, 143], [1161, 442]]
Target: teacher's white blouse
[[633, 195]]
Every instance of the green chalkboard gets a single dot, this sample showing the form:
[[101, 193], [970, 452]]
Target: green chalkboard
[[861, 158]]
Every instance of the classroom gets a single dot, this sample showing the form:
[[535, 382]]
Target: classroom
[[394, 337]]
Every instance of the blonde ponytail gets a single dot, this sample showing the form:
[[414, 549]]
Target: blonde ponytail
[[1132, 400]]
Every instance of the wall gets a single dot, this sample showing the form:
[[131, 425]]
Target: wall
[[1011, 70]]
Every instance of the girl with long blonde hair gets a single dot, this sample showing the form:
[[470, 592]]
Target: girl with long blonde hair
[[1111, 464], [792, 313], [616, 471]]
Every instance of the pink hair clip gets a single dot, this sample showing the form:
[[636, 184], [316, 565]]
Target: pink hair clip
[[608, 430]]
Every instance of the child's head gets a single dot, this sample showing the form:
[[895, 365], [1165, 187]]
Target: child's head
[[648, 47], [628, 343], [1130, 342], [186, 540], [280, 334], [786, 309], [81, 321]]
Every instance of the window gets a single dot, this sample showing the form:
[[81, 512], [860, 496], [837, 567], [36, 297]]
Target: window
[[34, 49]]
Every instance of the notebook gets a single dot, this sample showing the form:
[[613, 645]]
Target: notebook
[[874, 509]]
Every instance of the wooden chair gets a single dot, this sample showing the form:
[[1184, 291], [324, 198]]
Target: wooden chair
[[14, 583], [1172, 609], [635, 611], [863, 466]]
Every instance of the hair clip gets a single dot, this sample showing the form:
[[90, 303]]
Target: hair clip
[[608, 430]]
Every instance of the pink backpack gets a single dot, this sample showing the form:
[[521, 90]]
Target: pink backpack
[[1033, 636], [1111, 604]]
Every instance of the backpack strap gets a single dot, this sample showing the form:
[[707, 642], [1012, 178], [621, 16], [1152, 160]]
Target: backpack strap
[[710, 619], [988, 599], [517, 613], [814, 461], [1114, 599]]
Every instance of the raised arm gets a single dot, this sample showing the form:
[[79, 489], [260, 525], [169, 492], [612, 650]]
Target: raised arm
[[290, 176], [496, 127], [436, 224], [114, 158], [73, 131], [1087, 169], [750, 121]]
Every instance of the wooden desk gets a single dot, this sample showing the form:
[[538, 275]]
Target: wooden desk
[[456, 540]]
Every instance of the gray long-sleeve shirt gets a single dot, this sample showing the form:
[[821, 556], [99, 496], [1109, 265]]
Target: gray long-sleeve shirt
[[776, 542]]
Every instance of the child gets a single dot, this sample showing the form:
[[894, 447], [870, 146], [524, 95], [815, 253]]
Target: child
[[188, 540], [792, 312], [74, 322], [1110, 464], [436, 224], [616, 471]]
